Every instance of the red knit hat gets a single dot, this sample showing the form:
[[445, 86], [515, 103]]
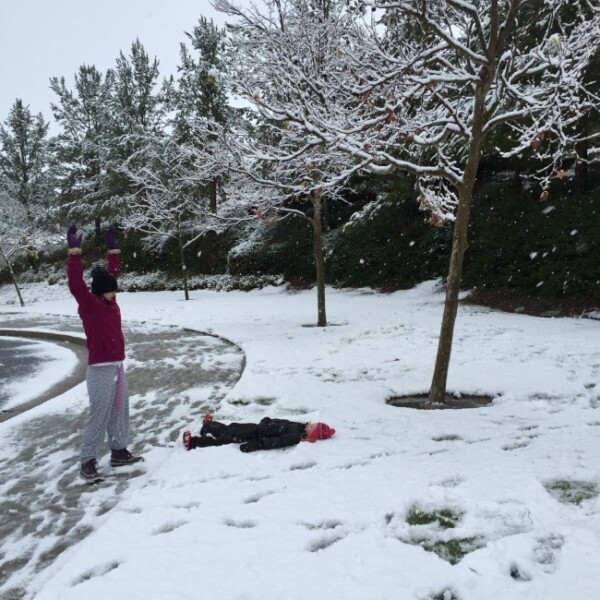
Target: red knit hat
[[320, 431]]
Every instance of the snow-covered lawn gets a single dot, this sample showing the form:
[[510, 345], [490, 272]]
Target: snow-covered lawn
[[494, 503]]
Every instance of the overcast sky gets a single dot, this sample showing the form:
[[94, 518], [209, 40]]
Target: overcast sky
[[44, 38]]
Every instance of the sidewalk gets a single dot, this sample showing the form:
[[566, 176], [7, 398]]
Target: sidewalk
[[174, 377], [73, 343]]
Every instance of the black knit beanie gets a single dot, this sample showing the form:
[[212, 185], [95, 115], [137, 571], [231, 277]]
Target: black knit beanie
[[103, 281]]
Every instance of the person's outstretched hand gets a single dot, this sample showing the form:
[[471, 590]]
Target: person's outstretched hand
[[110, 239], [73, 240]]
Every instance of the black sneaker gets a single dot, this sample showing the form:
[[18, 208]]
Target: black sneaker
[[120, 458], [89, 471]]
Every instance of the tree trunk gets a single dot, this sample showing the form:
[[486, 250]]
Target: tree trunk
[[213, 195], [437, 391], [319, 258], [14, 279], [183, 265], [98, 230]]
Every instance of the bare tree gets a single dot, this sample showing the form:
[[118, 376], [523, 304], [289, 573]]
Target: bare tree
[[284, 62], [166, 203], [449, 73], [26, 184], [421, 90], [18, 234]]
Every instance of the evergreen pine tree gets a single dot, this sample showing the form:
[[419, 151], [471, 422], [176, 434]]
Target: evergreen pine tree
[[83, 115], [26, 184], [199, 93], [25, 160], [136, 117]]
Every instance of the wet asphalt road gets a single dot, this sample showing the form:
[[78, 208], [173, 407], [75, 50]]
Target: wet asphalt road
[[174, 377], [18, 361]]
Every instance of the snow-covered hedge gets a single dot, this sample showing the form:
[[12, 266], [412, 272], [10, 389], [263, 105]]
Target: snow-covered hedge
[[151, 282]]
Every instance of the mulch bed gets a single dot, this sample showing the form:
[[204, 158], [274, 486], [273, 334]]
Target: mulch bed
[[422, 402]]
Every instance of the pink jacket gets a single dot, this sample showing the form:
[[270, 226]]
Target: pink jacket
[[101, 318]]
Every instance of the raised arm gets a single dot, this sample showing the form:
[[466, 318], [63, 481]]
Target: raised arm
[[77, 285], [113, 258]]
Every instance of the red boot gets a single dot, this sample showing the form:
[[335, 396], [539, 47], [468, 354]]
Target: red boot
[[187, 440]]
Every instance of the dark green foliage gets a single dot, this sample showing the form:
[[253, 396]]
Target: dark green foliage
[[444, 518], [390, 246], [508, 226], [520, 246], [83, 115], [452, 550], [198, 91], [25, 160], [432, 531], [205, 256], [285, 247]]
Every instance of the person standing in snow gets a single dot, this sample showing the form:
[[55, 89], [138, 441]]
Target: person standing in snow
[[266, 435], [105, 377]]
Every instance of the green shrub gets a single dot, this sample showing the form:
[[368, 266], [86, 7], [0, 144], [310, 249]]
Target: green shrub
[[284, 247], [546, 251], [387, 244]]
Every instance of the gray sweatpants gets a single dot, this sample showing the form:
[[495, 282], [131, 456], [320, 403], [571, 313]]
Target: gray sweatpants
[[104, 418]]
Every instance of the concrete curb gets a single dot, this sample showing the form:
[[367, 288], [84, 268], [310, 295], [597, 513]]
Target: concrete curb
[[79, 346], [73, 343]]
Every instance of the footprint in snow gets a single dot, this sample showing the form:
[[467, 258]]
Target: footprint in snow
[[256, 497], [302, 466], [324, 542], [326, 524], [546, 551], [516, 445], [97, 571], [446, 437], [245, 524], [168, 527]]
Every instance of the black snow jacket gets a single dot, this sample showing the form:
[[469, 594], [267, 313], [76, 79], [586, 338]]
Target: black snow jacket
[[279, 433], [266, 435]]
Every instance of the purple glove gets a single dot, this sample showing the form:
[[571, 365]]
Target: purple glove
[[73, 240], [109, 239]]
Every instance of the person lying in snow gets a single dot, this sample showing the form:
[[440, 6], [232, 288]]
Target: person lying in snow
[[266, 435]]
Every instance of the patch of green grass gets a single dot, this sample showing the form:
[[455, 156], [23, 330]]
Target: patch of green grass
[[264, 401], [572, 491], [261, 400], [452, 550], [239, 402], [445, 518], [431, 529]]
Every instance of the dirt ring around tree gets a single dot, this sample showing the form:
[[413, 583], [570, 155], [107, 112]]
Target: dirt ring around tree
[[453, 402]]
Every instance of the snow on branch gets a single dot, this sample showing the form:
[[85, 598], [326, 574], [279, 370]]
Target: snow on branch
[[420, 86], [449, 73]]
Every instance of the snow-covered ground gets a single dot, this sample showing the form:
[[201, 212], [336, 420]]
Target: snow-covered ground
[[493, 503]]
